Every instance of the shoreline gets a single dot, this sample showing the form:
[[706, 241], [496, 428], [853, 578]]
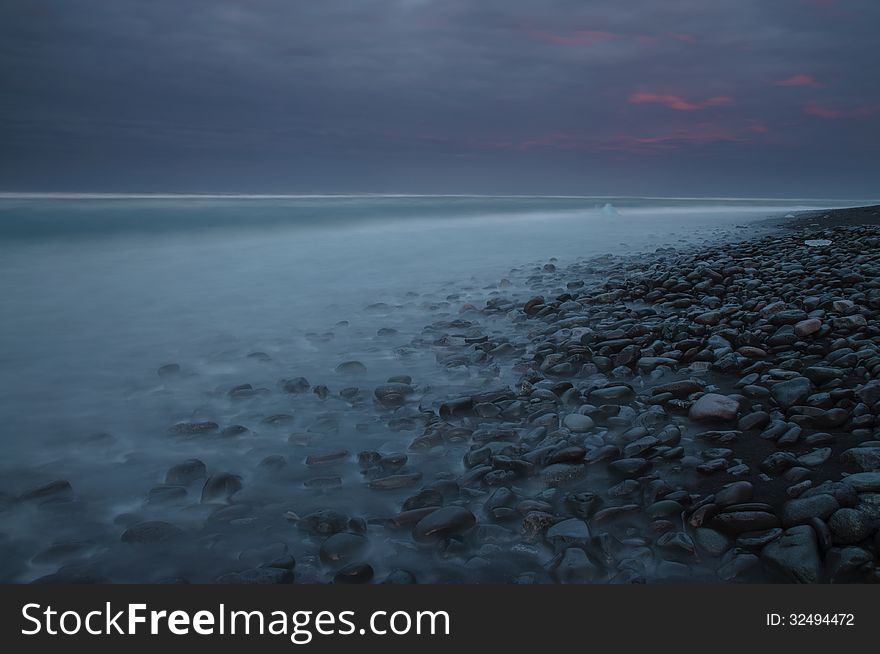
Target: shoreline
[[696, 414]]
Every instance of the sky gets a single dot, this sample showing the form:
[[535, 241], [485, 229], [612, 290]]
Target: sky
[[745, 98]]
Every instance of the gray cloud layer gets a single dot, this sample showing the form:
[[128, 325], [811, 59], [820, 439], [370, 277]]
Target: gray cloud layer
[[534, 96]]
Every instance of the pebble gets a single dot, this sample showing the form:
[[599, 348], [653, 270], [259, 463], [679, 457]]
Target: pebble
[[444, 522], [713, 407]]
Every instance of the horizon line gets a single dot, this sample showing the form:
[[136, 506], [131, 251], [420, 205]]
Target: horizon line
[[89, 195]]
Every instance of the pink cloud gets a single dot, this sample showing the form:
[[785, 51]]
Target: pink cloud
[[831, 113], [677, 102], [580, 37], [682, 36], [798, 80]]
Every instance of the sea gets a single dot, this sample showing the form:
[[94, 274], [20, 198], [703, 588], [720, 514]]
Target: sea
[[98, 292]]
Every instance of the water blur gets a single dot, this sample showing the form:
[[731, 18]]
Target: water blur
[[98, 294]]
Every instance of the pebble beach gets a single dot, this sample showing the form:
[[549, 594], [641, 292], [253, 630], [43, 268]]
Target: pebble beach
[[696, 414]]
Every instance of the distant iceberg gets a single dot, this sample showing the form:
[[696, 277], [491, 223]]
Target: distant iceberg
[[609, 210]]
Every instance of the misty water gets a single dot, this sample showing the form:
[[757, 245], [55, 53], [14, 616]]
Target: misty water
[[98, 294]]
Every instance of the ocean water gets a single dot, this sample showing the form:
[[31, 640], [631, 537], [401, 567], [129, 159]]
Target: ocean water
[[98, 292]]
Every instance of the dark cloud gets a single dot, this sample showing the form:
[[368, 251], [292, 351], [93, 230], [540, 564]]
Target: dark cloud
[[552, 96]]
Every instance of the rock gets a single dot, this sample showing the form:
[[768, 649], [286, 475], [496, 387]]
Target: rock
[[531, 307], [324, 522], [792, 392], [680, 389], [578, 423], [561, 473], [220, 487], [54, 491], [755, 540], [713, 407], [154, 531], [568, 532], [575, 567], [257, 576], [795, 555], [398, 576], [800, 511], [393, 395], [393, 482], [194, 428], [354, 573], [611, 394], [442, 523], [186, 473], [863, 459], [870, 392], [234, 430], [632, 467], [739, 522], [849, 526], [295, 386], [864, 482], [165, 494], [351, 368], [327, 458], [735, 493], [712, 542], [815, 458], [848, 564], [342, 547], [807, 327]]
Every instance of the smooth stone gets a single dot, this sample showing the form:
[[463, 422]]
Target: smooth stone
[[755, 540], [795, 555], [575, 567], [399, 576], [801, 510], [739, 522], [393, 482], [792, 392], [711, 541], [153, 531], [444, 522], [257, 576], [714, 407], [735, 493], [864, 482], [186, 472], [342, 547], [578, 423], [354, 573], [55, 490], [864, 459], [849, 526], [351, 368], [630, 467], [221, 486], [569, 532], [807, 327]]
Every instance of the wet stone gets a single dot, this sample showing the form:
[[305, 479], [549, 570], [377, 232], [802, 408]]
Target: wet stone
[[342, 547], [849, 526], [444, 522], [187, 472], [154, 531], [795, 555], [354, 573], [714, 407], [221, 487]]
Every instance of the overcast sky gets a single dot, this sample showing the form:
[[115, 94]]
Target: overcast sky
[[635, 97]]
